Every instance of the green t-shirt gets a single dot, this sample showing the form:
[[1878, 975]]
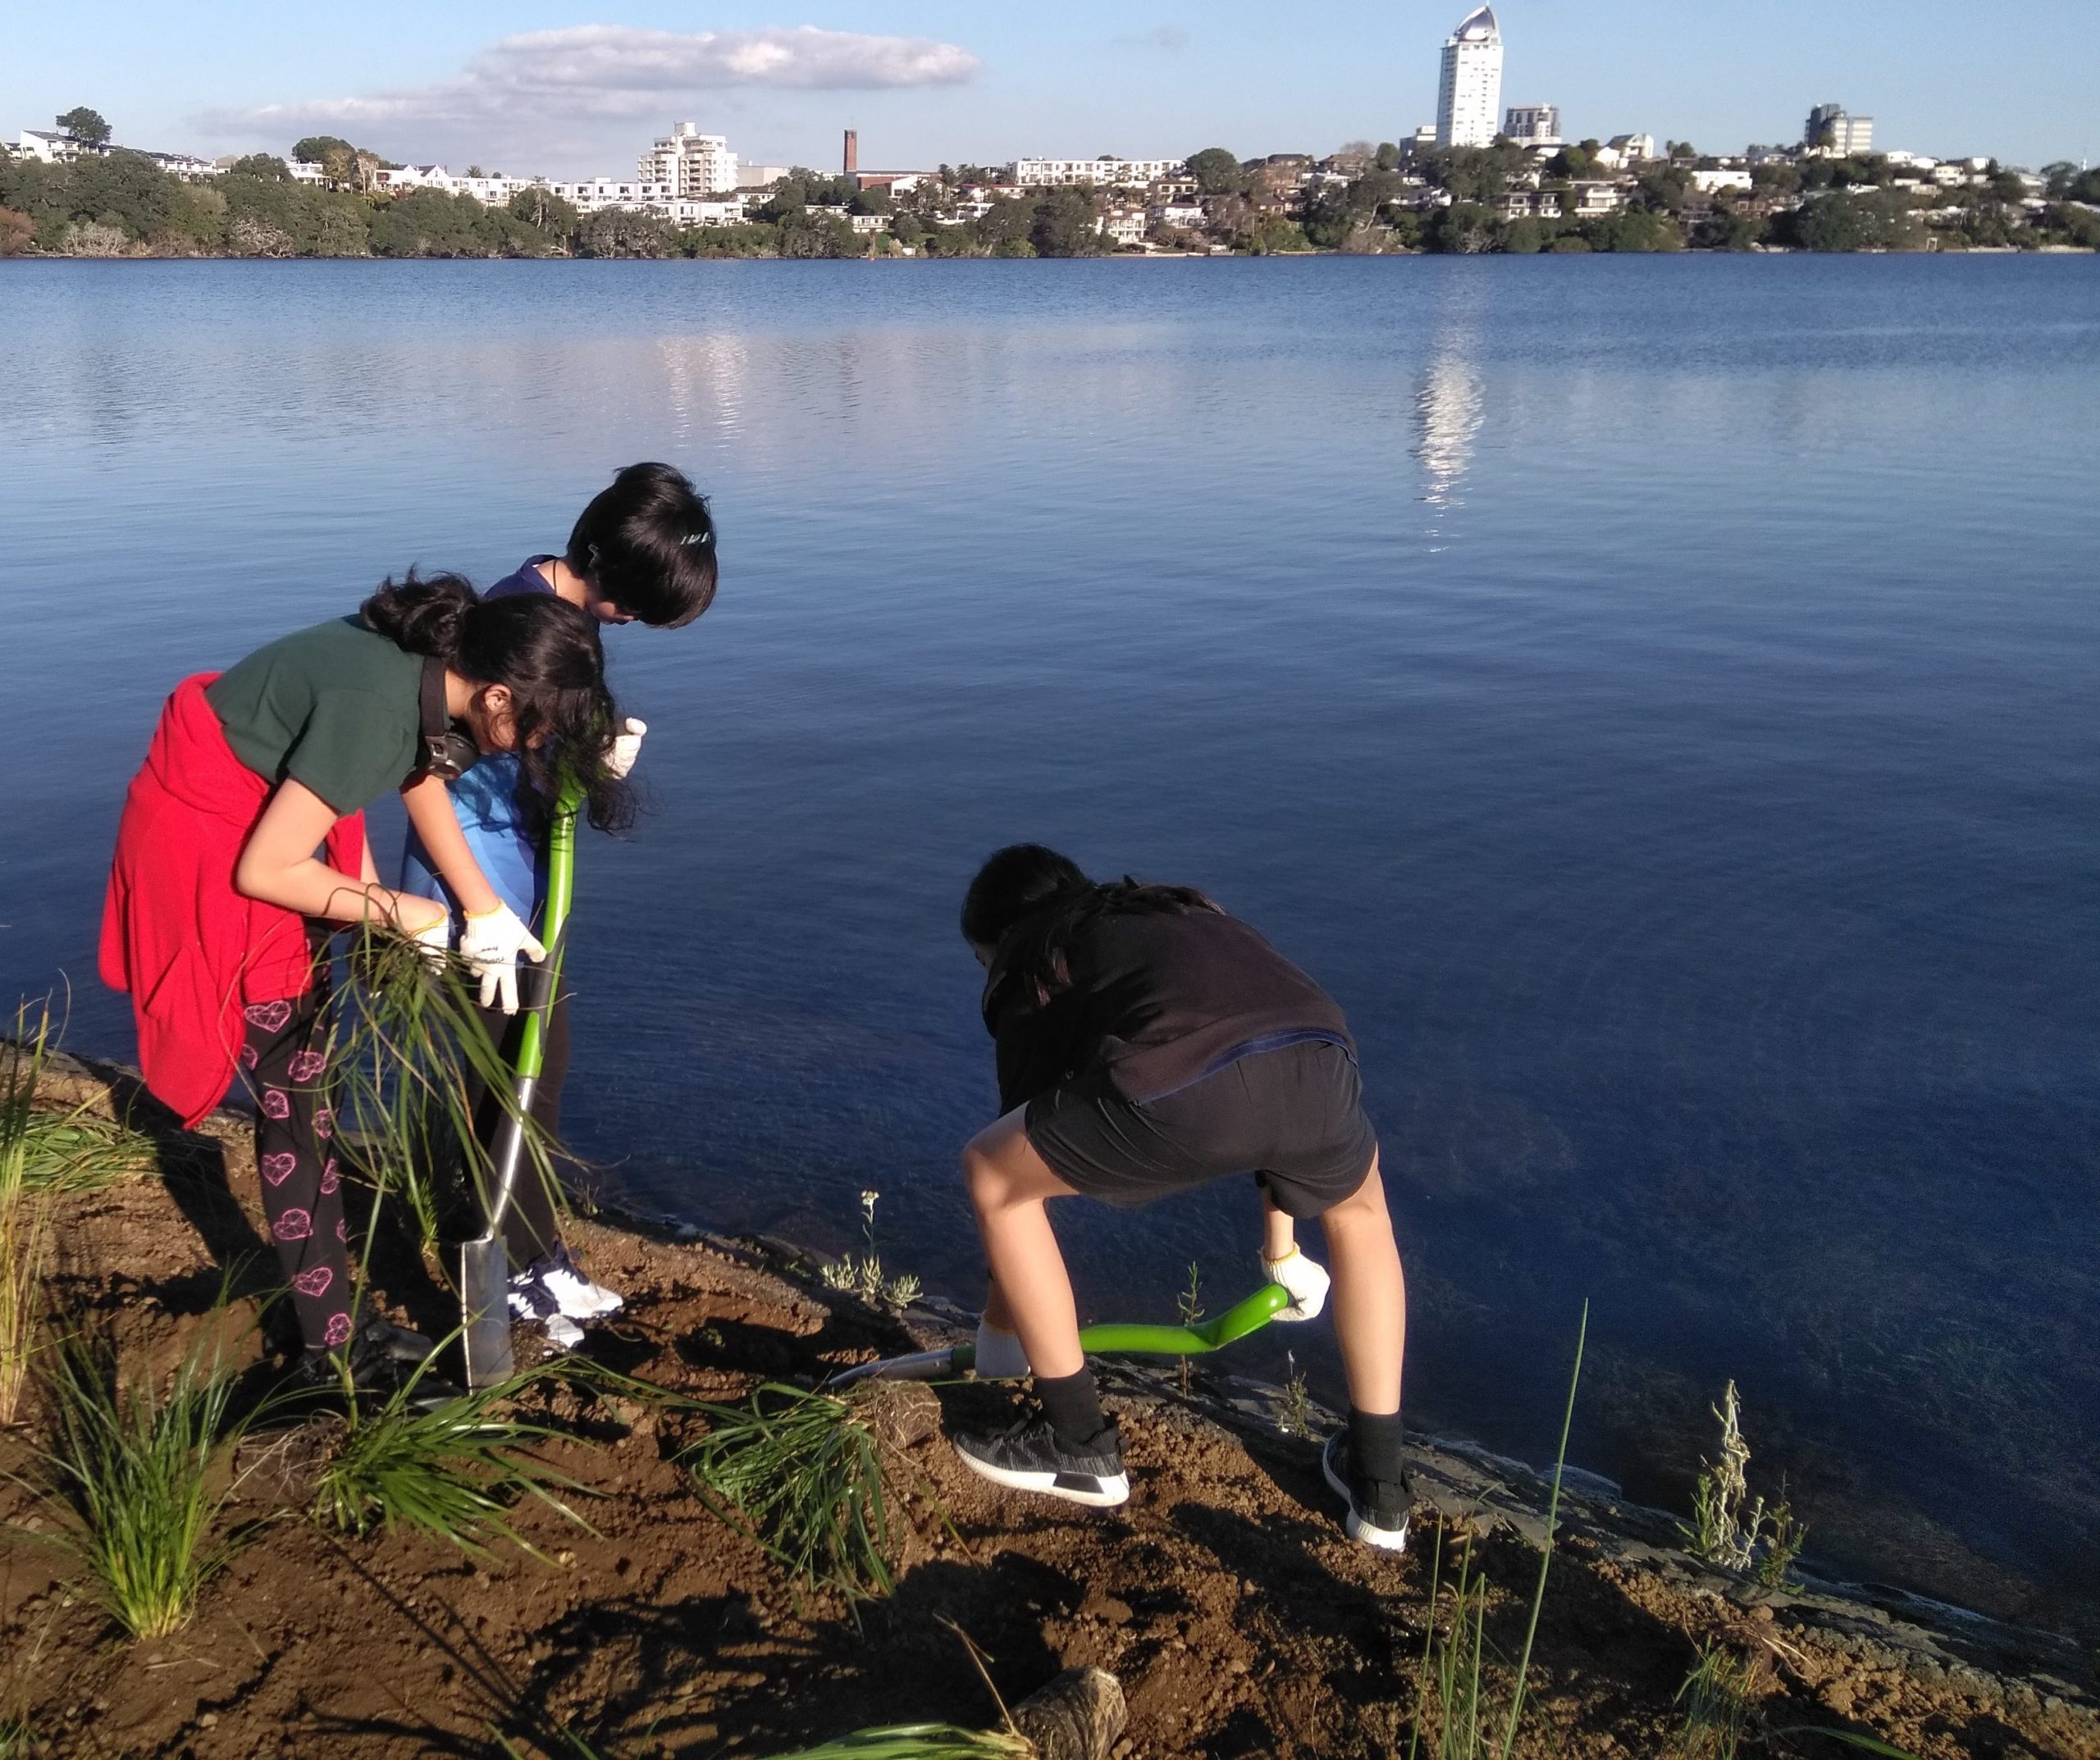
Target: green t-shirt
[[336, 706]]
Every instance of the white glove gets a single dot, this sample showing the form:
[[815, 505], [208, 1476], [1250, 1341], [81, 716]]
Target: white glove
[[1306, 1280], [434, 940], [490, 945], [626, 747], [1000, 1356]]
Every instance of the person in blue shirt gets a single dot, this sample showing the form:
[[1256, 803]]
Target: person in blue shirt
[[643, 551]]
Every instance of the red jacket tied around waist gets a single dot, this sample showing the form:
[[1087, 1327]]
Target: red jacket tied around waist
[[176, 934]]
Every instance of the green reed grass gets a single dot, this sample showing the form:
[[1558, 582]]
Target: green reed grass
[[138, 1475], [77, 1151], [918, 1741], [1718, 1705], [1458, 1658], [24, 1211], [802, 1475], [407, 1041], [456, 1473]]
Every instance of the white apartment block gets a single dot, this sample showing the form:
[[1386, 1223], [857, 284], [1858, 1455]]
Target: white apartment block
[[697, 164], [1532, 124], [1124, 226], [1107, 172], [1834, 129], [63, 149], [1469, 92]]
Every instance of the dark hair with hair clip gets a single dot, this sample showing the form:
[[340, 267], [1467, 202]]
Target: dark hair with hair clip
[[545, 652], [1031, 903], [647, 545]]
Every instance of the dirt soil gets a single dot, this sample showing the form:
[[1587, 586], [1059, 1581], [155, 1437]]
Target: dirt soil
[[1239, 1620]]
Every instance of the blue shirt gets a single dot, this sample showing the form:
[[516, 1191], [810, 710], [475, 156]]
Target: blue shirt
[[487, 799]]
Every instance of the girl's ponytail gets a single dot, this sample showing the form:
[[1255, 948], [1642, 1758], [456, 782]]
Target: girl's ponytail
[[421, 616]]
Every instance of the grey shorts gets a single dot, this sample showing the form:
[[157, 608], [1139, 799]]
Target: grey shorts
[[1292, 1118]]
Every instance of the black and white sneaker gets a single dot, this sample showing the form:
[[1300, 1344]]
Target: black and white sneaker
[[1377, 1507], [1033, 1457]]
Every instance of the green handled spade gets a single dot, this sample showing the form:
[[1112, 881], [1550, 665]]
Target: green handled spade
[[484, 1264], [1111, 1339]]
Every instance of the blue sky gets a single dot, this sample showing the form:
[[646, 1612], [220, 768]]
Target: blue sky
[[925, 81]]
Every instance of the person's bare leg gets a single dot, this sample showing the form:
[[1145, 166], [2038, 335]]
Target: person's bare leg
[[1030, 1292], [1370, 1299], [1279, 1232]]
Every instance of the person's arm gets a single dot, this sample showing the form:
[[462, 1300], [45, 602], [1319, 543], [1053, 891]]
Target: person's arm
[[436, 822], [278, 866], [367, 867]]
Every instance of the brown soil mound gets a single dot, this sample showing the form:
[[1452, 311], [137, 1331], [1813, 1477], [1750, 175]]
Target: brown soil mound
[[1223, 1595]]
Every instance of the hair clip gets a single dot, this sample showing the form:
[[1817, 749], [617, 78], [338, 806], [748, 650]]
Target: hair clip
[[692, 538]]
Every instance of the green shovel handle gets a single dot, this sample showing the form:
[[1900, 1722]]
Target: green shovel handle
[[1115, 1339], [561, 890]]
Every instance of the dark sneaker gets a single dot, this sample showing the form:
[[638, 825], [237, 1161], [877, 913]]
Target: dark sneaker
[[1377, 1507], [1033, 1457], [397, 1344], [375, 1375]]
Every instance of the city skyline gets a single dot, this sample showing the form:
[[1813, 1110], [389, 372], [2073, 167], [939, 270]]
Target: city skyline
[[527, 88]]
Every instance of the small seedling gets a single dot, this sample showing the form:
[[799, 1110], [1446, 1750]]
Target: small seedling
[[862, 1275], [1297, 1419], [1784, 1537], [1188, 1309], [454, 1473], [801, 1474]]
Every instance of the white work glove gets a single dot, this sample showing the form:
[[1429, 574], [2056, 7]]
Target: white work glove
[[626, 747], [1000, 1356], [434, 942], [1306, 1281], [490, 945]]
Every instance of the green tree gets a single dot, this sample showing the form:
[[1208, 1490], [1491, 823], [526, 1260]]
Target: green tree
[[1004, 225], [85, 125], [621, 232], [907, 229], [540, 208], [869, 202], [1271, 234], [1726, 230], [1847, 221], [803, 233], [1681, 149], [1663, 189], [262, 165], [2069, 224], [1389, 155], [17, 232], [317, 149], [1633, 230], [1066, 223], [1217, 171], [1473, 174], [1464, 229], [125, 190]]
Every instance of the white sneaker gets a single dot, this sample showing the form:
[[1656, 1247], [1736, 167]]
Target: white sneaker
[[562, 1332], [575, 1295]]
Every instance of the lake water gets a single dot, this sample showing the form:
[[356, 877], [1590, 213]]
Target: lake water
[[1657, 696]]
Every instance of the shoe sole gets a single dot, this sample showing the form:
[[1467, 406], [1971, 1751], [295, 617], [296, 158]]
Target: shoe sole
[[1091, 1489], [1363, 1533]]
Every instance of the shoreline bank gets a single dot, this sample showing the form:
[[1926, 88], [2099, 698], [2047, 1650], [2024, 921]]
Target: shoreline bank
[[1224, 1597]]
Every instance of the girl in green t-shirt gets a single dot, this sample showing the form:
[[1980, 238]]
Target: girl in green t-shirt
[[221, 873]]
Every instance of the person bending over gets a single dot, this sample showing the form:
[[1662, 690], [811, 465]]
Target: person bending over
[[643, 551], [1149, 1043], [218, 902]]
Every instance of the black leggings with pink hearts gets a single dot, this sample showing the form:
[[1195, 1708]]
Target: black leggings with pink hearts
[[284, 1055]]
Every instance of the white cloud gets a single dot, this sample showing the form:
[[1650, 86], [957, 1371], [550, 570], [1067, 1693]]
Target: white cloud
[[610, 71]]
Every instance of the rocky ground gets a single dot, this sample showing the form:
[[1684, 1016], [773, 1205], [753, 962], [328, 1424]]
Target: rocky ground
[[1223, 1595]]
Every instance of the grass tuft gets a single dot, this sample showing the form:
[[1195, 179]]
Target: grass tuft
[[25, 1212], [918, 1741], [138, 1475], [1729, 1527], [802, 1475], [455, 1473], [1717, 1698], [68, 1152]]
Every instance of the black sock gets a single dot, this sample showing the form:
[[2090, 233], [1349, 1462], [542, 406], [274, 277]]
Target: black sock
[[1374, 1445], [1073, 1405]]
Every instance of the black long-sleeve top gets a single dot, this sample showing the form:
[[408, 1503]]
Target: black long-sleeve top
[[1157, 1001]]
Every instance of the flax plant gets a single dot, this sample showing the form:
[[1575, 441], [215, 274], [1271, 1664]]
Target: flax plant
[[802, 1475], [455, 1472], [408, 1044], [138, 1475]]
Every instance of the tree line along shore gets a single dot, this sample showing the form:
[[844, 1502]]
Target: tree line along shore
[[1368, 202]]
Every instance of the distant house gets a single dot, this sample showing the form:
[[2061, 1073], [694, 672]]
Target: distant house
[[1532, 205], [1124, 226], [1107, 172], [1592, 198], [64, 149]]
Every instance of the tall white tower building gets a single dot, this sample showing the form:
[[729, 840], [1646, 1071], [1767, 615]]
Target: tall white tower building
[[1469, 97], [695, 164]]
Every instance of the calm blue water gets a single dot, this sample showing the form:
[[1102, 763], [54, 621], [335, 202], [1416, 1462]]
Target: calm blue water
[[1656, 696]]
